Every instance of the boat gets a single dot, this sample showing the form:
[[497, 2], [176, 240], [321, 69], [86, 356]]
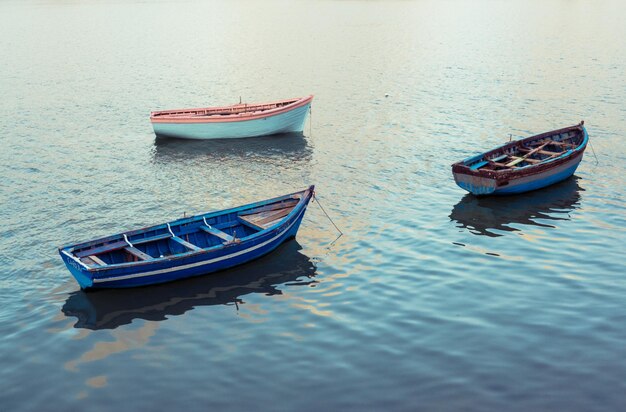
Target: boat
[[524, 165], [187, 247], [239, 120]]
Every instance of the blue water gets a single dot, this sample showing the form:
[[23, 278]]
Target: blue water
[[432, 300]]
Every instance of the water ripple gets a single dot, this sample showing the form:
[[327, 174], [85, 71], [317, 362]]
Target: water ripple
[[432, 299]]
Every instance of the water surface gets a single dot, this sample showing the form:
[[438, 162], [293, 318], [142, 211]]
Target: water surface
[[432, 300]]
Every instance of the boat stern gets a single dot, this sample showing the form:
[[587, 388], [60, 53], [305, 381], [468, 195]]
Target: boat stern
[[477, 185]]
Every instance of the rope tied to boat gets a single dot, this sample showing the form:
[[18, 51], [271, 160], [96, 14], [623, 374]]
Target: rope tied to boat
[[323, 210], [594, 152]]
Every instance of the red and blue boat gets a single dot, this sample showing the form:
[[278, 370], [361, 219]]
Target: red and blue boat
[[187, 247], [524, 165], [239, 120]]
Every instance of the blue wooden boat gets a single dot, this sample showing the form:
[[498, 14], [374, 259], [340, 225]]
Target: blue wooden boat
[[524, 165], [187, 247], [239, 120]]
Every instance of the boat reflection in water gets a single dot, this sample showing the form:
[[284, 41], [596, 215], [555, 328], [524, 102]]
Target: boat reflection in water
[[291, 145], [481, 215], [110, 308]]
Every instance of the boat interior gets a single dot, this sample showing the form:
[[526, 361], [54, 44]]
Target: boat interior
[[233, 110], [528, 153], [190, 235]]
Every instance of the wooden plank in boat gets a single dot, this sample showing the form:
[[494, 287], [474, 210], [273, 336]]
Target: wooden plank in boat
[[274, 206], [274, 216], [479, 165], [97, 260], [136, 252], [550, 153], [515, 161], [216, 232], [272, 223], [554, 142], [257, 218], [526, 150], [521, 159], [491, 162], [244, 220], [224, 225], [260, 216], [527, 159], [564, 144], [183, 242], [102, 249]]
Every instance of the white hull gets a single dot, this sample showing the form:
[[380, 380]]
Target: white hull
[[291, 121]]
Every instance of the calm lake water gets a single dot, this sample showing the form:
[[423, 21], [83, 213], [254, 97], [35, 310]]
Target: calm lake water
[[432, 300]]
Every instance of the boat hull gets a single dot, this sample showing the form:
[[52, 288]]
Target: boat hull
[[188, 264], [481, 186], [286, 122]]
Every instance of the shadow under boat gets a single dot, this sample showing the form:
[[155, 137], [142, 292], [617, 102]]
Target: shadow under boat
[[110, 308], [292, 145], [481, 215]]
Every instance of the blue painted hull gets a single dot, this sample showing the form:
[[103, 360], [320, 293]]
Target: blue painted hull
[[482, 187], [291, 121], [541, 181], [189, 264]]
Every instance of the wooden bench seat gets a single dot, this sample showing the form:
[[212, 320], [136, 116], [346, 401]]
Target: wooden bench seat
[[244, 220], [216, 232], [542, 151], [527, 155], [491, 162], [263, 220], [188, 245], [563, 144], [97, 260], [273, 206], [138, 253], [272, 222], [527, 159], [552, 142], [550, 153]]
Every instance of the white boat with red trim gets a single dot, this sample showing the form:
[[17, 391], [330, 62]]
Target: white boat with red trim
[[239, 120]]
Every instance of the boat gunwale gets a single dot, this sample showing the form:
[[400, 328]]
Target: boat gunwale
[[462, 166], [68, 250], [169, 116]]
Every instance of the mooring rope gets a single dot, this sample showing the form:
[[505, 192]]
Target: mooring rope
[[594, 152], [331, 221], [310, 120]]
